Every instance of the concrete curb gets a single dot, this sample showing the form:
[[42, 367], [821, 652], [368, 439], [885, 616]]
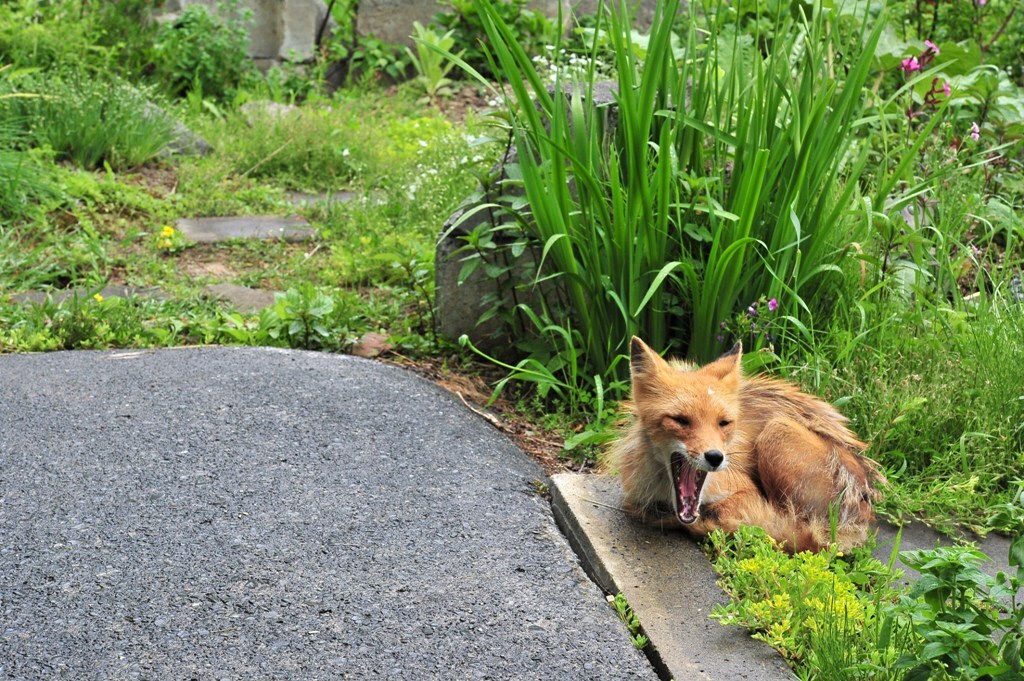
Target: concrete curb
[[671, 587], [666, 580]]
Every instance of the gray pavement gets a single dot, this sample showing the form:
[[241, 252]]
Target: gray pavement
[[237, 513]]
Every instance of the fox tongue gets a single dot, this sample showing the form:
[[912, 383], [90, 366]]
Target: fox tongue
[[689, 482]]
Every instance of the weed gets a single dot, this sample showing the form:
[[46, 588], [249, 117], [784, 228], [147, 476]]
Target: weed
[[430, 62], [204, 50], [969, 624], [822, 611], [629, 618]]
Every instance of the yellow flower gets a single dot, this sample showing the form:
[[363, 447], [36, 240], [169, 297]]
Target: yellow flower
[[165, 243], [167, 232], [97, 297]]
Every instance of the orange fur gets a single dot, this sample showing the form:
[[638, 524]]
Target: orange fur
[[772, 455]]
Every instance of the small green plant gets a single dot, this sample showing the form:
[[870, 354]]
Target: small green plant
[[629, 618], [820, 610], [432, 67], [301, 317], [970, 624], [373, 60], [204, 49]]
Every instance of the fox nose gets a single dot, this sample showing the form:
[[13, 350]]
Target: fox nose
[[714, 458]]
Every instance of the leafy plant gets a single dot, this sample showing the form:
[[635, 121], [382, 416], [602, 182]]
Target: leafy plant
[[432, 67], [301, 317], [969, 623], [661, 226], [373, 60], [464, 21], [205, 50]]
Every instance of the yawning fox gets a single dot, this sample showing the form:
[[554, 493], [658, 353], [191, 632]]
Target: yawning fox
[[708, 448]]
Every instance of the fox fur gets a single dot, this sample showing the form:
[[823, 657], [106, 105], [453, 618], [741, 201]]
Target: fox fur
[[709, 449]]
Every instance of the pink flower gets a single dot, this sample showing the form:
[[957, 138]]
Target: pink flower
[[773, 305], [982, 3], [931, 46], [946, 89], [975, 132], [910, 64]]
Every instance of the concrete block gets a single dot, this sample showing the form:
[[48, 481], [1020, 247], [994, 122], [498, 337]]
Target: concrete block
[[667, 581], [279, 30], [212, 230]]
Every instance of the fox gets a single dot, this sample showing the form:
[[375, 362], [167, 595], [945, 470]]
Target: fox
[[707, 448]]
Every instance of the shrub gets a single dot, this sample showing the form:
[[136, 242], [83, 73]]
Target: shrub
[[204, 50], [28, 36]]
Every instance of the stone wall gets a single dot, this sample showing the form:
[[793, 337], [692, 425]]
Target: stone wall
[[391, 20], [279, 30], [287, 29]]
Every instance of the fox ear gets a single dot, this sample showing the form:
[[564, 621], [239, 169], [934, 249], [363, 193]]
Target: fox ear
[[728, 365], [642, 360]]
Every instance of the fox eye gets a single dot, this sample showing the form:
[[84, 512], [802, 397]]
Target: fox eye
[[724, 423], [682, 420]]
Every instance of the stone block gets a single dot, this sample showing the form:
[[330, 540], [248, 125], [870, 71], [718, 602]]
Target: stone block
[[279, 30], [245, 299], [212, 230], [85, 295], [459, 306]]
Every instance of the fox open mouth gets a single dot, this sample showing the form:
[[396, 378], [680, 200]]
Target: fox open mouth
[[688, 483]]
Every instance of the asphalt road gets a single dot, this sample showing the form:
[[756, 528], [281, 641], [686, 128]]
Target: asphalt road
[[239, 513]]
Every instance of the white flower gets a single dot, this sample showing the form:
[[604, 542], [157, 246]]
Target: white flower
[[344, 152]]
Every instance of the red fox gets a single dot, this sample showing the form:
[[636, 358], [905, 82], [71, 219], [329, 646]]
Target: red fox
[[708, 449]]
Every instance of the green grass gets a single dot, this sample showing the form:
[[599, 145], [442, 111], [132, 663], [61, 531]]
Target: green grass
[[372, 268]]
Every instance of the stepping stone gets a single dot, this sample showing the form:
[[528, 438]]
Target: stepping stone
[[305, 199], [113, 291], [212, 230], [371, 345], [242, 297]]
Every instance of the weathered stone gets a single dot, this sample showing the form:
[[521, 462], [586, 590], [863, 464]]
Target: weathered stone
[[245, 299], [392, 20], [85, 294], [211, 230], [460, 305], [183, 141], [371, 345], [280, 30], [305, 200]]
